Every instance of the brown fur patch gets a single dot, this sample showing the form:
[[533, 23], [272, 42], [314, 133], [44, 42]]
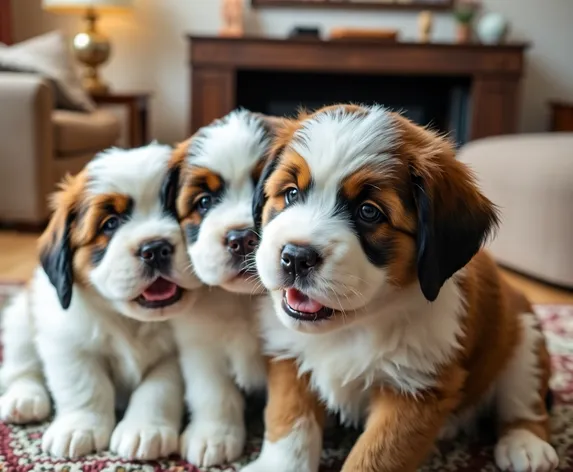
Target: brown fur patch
[[401, 429], [290, 399], [195, 182]]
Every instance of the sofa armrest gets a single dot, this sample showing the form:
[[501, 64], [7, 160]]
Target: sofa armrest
[[26, 147]]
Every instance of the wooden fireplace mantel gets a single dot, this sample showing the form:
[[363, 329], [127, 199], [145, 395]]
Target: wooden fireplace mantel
[[495, 71]]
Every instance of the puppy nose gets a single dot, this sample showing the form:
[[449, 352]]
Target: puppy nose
[[242, 242], [298, 261], [156, 253]]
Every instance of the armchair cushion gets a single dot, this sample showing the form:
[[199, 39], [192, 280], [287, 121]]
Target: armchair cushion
[[81, 133], [49, 56]]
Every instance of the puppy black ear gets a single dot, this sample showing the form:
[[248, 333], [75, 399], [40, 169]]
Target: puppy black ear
[[260, 197], [170, 191], [454, 221], [454, 217], [56, 255]]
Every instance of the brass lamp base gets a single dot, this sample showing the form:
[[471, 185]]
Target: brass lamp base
[[92, 49]]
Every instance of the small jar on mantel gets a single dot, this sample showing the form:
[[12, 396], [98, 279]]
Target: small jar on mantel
[[464, 14], [233, 18]]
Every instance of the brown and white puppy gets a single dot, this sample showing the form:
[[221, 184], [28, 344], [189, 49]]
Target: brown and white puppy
[[386, 310], [216, 172], [114, 267]]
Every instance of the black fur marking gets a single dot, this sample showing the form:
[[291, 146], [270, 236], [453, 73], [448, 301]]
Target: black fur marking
[[97, 255], [446, 244], [379, 253], [260, 198], [57, 263], [169, 192], [192, 233]]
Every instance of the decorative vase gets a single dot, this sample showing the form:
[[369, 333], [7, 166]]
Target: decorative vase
[[464, 32], [425, 23], [233, 20], [492, 28]]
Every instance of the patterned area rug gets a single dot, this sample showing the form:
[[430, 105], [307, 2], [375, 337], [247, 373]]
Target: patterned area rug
[[20, 446]]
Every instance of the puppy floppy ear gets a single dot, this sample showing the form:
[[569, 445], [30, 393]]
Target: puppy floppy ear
[[454, 217], [55, 244]]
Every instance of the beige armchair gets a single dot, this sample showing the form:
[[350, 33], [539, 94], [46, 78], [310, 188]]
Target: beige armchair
[[39, 145], [530, 178]]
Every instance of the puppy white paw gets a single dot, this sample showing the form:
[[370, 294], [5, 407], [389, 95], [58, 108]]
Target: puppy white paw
[[205, 444], [26, 403], [522, 451], [144, 441], [76, 434]]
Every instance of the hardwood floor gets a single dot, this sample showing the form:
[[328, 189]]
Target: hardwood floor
[[18, 258], [18, 255]]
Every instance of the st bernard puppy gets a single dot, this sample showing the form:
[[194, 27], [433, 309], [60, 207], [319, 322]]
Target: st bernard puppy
[[114, 268], [386, 310], [220, 353]]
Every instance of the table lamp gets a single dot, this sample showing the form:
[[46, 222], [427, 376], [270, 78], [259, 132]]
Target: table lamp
[[91, 47]]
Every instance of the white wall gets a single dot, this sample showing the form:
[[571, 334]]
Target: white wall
[[150, 47]]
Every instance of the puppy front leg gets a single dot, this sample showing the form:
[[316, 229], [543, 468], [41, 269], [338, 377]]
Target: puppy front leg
[[216, 433], [26, 397], [150, 428], [401, 429], [84, 402], [294, 420]]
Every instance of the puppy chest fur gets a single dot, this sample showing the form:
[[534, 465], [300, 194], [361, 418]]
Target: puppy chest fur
[[403, 349], [126, 348]]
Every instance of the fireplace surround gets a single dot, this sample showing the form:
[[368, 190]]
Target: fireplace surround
[[468, 90]]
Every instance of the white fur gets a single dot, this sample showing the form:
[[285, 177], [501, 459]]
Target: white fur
[[522, 451], [517, 391], [399, 343], [219, 344], [98, 354], [230, 147], [219, 355], [518, 387], [344, 142], [299, 451]]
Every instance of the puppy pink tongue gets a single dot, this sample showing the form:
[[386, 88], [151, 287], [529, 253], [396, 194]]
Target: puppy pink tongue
[[160, 290], [300, 302]]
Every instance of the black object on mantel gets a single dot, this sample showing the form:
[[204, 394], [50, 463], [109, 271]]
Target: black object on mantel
[[304, 32]]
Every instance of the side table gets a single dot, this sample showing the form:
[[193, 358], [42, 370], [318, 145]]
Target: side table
[[137, 107], [561, 116]]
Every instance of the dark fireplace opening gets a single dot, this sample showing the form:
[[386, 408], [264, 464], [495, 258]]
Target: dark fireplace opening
[[439, 102]]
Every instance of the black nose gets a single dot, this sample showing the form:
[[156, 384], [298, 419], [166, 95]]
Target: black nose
[[157, 253], [242, 242], [298, 261]]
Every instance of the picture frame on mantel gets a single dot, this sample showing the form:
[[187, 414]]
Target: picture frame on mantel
[[359, 4]]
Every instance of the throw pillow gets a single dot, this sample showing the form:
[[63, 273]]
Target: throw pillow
[[49, 56]]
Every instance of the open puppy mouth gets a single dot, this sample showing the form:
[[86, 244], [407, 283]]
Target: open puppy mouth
[[299, 306], [160, 294]]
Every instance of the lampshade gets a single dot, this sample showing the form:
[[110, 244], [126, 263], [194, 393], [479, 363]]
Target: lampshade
[[80, 6]]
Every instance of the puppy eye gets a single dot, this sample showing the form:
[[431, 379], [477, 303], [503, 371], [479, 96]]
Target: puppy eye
[[204, 204], [291, 196], [369, 213], [110, 225]]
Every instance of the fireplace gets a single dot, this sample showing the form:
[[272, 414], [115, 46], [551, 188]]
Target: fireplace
[[439, 102], [467, 90]]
